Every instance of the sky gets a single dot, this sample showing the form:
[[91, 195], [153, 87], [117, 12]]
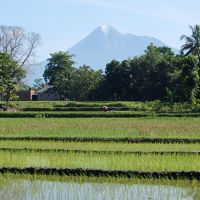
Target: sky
[[63, 23]]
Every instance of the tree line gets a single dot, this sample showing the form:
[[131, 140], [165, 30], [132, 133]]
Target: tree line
[[159, 74]]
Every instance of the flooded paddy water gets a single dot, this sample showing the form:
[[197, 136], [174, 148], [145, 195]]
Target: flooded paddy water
[[93, 167], [26, 187]]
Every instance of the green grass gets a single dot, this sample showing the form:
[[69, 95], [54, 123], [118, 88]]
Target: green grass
[[92, 114], [101, 127], [99, 146], [85, 114], [136, 106], [101, 161], [35, 104], [51, 104]]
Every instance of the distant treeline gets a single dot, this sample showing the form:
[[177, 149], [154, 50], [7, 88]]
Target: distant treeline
[[159, 74]]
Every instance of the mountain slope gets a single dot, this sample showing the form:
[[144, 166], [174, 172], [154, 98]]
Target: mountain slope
[[106, 43]]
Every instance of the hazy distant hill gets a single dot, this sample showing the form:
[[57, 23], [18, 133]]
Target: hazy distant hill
[[100, 47]]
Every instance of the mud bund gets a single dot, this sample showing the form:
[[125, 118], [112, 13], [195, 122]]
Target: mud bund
[[103, 173]]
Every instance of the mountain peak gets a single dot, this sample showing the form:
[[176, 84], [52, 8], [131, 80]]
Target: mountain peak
[[106, 29]]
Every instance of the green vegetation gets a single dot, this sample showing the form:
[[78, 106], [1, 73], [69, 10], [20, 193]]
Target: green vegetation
[[16, 48], [102, 127], [10, 76], [94, 158], [141, 107], [101, 146], [170, 83], [78, 114], [107, 154], [159, 74], [58, 71], [88, 179], [101, 161], [192, 43], [69, 187]]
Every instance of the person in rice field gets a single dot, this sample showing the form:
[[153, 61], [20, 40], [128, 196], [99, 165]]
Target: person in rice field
[[105, 108]]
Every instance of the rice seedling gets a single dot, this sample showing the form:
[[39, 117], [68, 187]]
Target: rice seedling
[[55, 187], [102, 127], [101, 161], [101, 146]]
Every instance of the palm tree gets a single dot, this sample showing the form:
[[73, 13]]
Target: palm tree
[[192, 43]]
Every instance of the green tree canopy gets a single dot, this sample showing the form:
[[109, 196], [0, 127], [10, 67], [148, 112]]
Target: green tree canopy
[[58, 71], [10, 76], [83, 83], [190, 77], [159, 74]]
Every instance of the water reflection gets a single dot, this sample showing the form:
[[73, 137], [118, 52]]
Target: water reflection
[[38, 189]]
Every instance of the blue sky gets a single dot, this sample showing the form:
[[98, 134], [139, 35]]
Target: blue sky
[[62, 23]]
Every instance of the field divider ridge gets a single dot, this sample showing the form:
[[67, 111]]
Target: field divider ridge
[[98, 139], [97, 152], [92, 114], [104, 173]]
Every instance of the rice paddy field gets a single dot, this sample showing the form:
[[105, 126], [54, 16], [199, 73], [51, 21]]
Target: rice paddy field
[[153, 157], [69, 187], [150, 127]]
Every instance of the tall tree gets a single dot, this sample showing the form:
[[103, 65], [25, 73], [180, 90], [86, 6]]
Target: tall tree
[[58, 72], [114, 75], [10, 76], [192, 43], [190, 77], [18, 44]]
